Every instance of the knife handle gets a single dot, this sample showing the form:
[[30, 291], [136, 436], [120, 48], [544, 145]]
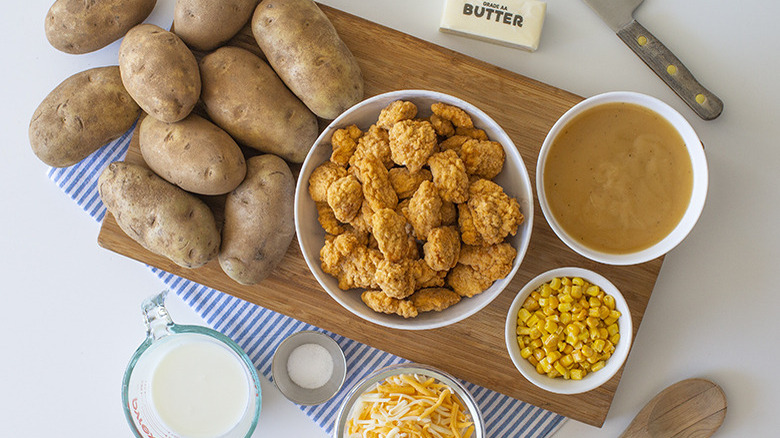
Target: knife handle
[[663, 62]]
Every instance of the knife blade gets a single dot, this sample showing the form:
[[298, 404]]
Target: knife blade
[[619, 16]]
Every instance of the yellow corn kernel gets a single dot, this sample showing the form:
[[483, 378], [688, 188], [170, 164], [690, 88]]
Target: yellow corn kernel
[[546, 365], [587, 351], [523, 315], [549, 311], [571, 339], [564, 307], [564, 317], [550, 326], [535, 333], [592, 322], [531, 304], [524, 331], [561, 370], [609, 320], [597, 366], [576, 292], [577, 374], [599, 345], [609, 301], [566, 360], [553, 373], [577, 281], [580, 315], [593, 333], [601, 295], [566, 281], [584, 303], [526, 352], [551, 341], [539, 368], [594, 302], [562, 345], [536, 343], [553, 356], [605, 355], [603, 333], [568, 349], [532, 320], [533, 361], [615, 314], [593, 359], [545, 291], [609, 347], [592, 290], [521, 342], [544, 302], [536, 295], [577, 356], [615, 338], [573, 329], [612, 329], [566, 298], [555, 283], [539, 354], [604, 312], [585, 365], [594, 311], [584, 335], [553, 318], [554, 302]]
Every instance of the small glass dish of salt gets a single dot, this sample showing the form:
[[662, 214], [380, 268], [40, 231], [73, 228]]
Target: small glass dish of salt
[[309, 367]]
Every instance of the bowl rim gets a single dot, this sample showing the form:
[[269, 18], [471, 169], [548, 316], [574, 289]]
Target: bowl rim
[[301, 192], [591, 380], [698, 193], [408, 368]]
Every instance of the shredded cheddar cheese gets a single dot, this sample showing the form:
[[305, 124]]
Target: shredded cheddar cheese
[[409, 406]]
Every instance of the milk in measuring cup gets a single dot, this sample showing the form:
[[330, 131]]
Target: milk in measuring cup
[[199, 389]]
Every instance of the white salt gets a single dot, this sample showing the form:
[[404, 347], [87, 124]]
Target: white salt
[[310, 366]]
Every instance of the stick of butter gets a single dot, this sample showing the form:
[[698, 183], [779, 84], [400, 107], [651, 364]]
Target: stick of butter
[[515, 23]]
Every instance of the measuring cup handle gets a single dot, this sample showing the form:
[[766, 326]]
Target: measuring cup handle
[[156, 318]]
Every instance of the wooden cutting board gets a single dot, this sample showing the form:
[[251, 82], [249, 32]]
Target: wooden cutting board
[[472, 349]]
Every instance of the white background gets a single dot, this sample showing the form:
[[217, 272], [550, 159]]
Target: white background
[[71, 320]]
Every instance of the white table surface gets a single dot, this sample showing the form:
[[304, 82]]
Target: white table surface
[[71, 309]]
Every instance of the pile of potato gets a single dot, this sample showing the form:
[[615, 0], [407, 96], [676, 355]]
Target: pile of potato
[[257, 116]]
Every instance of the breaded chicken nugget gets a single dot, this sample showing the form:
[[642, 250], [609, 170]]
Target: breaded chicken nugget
[[376, 142], [494, 213], [457, 116], [483, 158], [376, 183], [424, 276], [442, 248], [449, 176], [449, 213], [442, 126], [411, 143], [425, 210], [328, 220], [344, 143], [395, 278], [362, 220], [406, 183], [389, 229], [433, 299], [468, 232], [472, 133], [479, 266], [378, 301], [455, 143], [321, 179], [345, 196], [395, 112]]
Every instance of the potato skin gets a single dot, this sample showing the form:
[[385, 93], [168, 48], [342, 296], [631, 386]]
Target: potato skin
[[259, 224], [84, 112], [78, 26], [193, 154], [208, 24], [158, 215], [160, 72], [303, 47], [244, 96]]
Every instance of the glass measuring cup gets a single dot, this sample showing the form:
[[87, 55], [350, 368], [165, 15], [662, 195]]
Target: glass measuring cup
[[187, 381]]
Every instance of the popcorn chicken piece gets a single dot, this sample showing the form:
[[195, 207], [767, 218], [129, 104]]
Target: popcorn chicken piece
[[433, 299], [442, 249], [406, 183], [449, 176], [344, 143], [362, 220], [442, 126], [479, 266], [424, 212], [449, 213], [457, 116], [376, 183], [468, 232], [376, 142], [494, 214], [395, 279], [472, 132], [328, 220], [389, 229], [345, 196], [483, 158], [378, 301], [395, 112], [411, 143], [424, 276], [322, 177], [455, 143]]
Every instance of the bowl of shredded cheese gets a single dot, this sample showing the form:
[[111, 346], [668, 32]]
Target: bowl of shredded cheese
[[409, 400]]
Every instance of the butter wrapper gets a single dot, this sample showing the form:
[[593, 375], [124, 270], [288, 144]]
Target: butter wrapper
[[514, 23]]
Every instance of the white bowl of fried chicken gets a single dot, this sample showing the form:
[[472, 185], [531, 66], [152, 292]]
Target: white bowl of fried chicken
[[413, 209]]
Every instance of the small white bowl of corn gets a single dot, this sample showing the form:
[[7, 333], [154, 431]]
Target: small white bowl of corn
[[568, 330]]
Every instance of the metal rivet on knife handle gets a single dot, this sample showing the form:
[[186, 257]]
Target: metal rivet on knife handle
[[663, 62]]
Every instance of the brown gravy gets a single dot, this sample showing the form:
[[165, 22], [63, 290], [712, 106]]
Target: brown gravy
[[618, 178]]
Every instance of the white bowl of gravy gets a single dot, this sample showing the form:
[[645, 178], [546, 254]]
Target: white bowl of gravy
[[621, 178]]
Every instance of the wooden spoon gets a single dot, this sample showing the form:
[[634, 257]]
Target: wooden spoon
[[692, 408]]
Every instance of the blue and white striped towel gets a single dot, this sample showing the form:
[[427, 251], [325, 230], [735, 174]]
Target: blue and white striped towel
[[259, 331]]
